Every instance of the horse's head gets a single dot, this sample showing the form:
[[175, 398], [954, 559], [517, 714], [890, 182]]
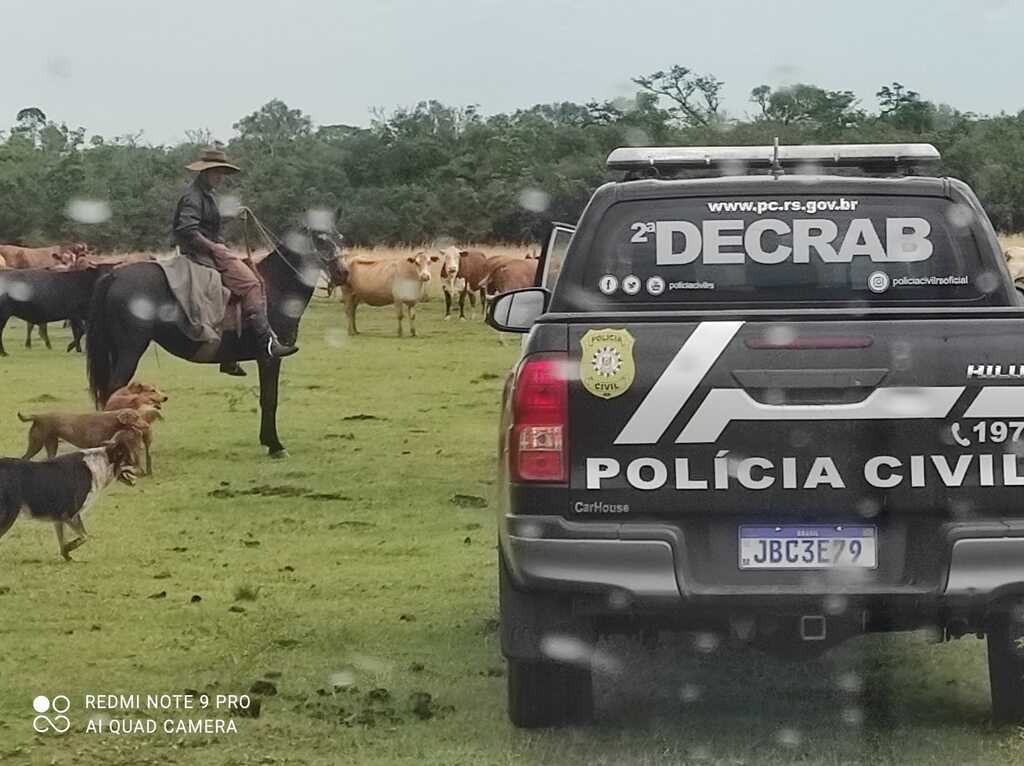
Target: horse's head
[[313, 252]]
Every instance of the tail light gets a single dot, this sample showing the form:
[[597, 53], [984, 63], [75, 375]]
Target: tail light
[[538, 439]]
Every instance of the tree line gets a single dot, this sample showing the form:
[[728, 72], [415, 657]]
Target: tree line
[[432, 171]]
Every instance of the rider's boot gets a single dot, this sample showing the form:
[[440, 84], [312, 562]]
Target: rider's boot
[[267, 344]]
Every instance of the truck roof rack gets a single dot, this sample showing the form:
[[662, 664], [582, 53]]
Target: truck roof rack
[[738, 159]]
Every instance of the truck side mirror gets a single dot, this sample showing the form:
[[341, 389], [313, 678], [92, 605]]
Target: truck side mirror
[[516, 311]]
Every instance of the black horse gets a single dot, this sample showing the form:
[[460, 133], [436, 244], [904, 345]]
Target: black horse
[[134, 307]]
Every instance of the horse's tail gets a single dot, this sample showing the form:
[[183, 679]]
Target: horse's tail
[[100, 349]]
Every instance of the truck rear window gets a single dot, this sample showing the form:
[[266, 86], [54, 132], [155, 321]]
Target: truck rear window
[[819, 248]]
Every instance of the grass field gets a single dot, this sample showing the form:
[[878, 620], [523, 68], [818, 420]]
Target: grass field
[[358, 577]]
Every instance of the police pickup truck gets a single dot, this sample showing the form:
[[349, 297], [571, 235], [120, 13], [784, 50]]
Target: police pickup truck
[[782, 402]]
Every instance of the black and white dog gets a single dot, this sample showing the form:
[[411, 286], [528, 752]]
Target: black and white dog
[[61, 489]]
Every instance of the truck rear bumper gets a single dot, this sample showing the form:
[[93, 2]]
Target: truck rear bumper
[[981, 563]]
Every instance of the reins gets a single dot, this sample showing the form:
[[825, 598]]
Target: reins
[[269, 237]]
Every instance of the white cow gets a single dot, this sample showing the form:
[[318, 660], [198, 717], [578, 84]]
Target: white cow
[[454, 285], [1015, 262]]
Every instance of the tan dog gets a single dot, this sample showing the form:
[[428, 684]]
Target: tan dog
[[136, 395], [150, 414], [83, 431]]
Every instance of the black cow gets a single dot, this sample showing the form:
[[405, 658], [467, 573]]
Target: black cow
[[40, 295]]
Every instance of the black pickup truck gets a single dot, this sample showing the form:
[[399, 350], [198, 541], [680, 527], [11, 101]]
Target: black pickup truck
[[782, 402]]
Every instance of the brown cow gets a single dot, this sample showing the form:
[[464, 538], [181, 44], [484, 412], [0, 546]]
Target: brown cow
[[474, 268], [396, 281], [511, 275], [18, 257]]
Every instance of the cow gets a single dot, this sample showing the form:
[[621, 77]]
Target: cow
[[17, 257], [396, 281], [452, 284], [1015, 262], [41, 295], [511, 275], [474, 267]]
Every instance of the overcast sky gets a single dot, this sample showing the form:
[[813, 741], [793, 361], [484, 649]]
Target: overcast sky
[[119, 66]]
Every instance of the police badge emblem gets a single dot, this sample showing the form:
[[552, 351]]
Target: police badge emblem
[[606, 364]]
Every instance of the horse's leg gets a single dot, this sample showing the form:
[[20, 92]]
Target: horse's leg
[[77, 331], [44, 333], [270, 376], [4, 316], [124, 368]]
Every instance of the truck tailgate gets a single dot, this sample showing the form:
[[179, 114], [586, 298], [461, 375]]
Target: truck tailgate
[[825, 419]]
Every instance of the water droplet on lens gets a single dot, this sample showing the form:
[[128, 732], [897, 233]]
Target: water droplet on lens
[[690, 693], [229, 205], [89, 211], [342, 679], [320, 219], [789, 738], [853, 716], [959, 215], [142, 308], [987, 282], [565, 649], [534, 200], [834, 605], [868, 507], [850, 682], [619, 599], [705, 643], [780, 335], [637, 137], [20, 291]]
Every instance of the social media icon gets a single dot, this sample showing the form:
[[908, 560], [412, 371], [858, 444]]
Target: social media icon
[[878, 282], [608, 284], [631, 285], [655, 285]]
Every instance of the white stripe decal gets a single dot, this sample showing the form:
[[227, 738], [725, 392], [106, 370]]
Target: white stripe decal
[[997, 402], [723, 405], [677, 384]]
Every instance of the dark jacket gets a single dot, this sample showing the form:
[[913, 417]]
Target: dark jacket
[[197, 212]]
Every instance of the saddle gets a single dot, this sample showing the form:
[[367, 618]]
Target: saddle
[[207, 308]]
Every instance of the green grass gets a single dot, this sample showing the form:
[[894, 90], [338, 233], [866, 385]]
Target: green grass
[[348, 569]]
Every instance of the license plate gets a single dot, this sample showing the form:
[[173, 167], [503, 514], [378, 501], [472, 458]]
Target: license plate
[[808, 546]]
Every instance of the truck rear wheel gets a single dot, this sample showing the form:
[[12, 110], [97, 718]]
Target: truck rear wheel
[[1006, 668], [543, 694]]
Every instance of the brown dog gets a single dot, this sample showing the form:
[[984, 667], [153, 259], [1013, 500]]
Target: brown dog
[[84, 431], [135, 395]]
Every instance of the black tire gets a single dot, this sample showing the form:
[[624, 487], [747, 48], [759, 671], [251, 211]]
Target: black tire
[[548, 694], [541, 692], [1006, 669]]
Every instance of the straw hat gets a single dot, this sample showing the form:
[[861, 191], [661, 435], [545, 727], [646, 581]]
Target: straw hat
[[212, 158]]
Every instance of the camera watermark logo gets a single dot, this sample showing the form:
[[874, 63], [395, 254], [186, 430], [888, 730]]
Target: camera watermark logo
[[58, 723]]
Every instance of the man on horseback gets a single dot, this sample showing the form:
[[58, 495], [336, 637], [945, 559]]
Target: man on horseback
[[198, 233]]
